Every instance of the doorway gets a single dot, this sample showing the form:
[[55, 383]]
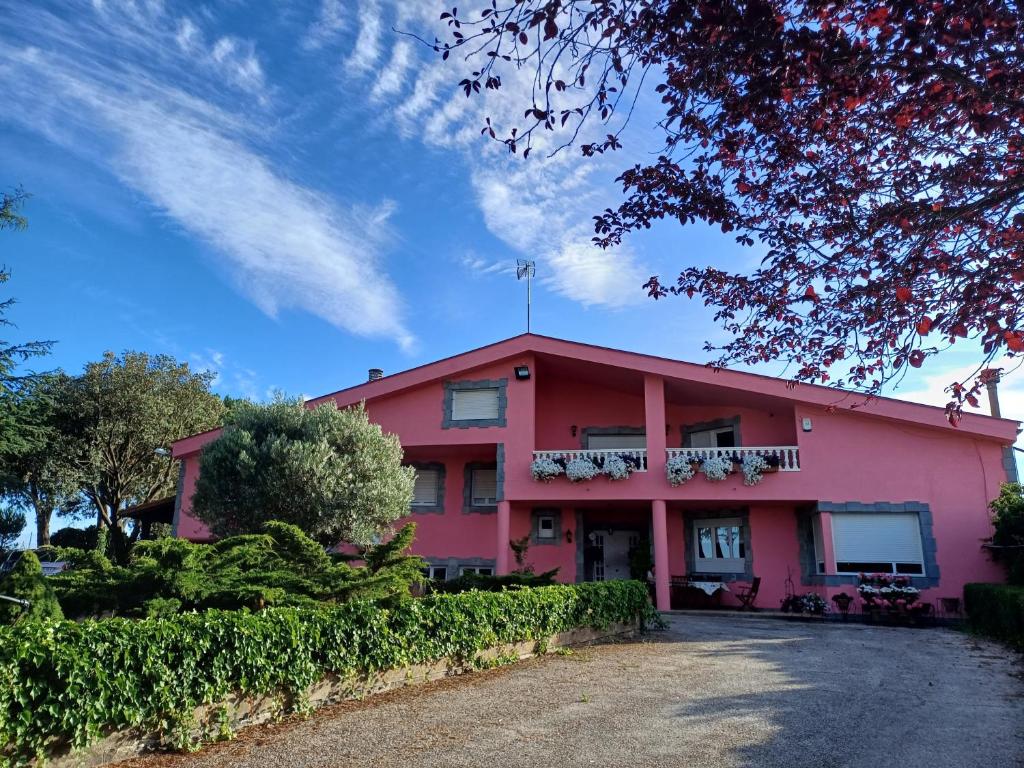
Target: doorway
[[608, 553]]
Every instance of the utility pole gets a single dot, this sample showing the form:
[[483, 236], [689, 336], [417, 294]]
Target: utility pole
[[527, 269]]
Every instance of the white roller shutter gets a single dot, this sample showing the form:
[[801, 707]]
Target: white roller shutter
[[485, 487], [612, 442], [471, 404], [424, 490], [877, 537]]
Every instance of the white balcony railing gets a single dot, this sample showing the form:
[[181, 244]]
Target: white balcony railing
[[638, 454], [788, 455]]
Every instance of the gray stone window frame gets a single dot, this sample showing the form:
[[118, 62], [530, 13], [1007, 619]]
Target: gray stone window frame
[[447, 422], [690, 518], [467, 487], [805, 536], [535, 515], [586, 432], [438, 507], [687, 430], [1010, 465]]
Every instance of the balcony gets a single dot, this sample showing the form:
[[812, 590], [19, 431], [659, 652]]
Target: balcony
[[788, 456], [637, 457]]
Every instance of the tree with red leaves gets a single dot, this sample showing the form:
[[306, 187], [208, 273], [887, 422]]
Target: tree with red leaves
[[874, 150]]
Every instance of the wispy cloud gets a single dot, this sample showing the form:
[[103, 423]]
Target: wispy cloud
[[330, 22], [368, 42], [542, 206], [930, 388], [284, 245]]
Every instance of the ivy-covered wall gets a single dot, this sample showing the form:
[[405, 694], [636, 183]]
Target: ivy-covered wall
[[64, 684]]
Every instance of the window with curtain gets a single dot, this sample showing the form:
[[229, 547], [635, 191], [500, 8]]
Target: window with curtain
[[425, 488], [484, 487], [473, 404], [878, 542], [616, 442], [719, 545], [712, 438]]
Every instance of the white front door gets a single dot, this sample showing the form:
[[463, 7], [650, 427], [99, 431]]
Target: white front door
[[613, 562]]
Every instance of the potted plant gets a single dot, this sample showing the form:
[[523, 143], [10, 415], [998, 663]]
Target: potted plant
[[809, 603], [843, 602], [616, 467], [753, 467], [581, 469], [545, 470], [716, 468], [679, 469]]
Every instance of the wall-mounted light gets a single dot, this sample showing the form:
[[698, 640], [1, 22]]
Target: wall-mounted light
[[806, 424], [522, 372], [568, 537], [573, 430]]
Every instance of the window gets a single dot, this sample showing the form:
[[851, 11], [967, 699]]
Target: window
[[546, 527], [614, 441], [483, 487], [878, 542], [475, 404], [479, 570], [436, 572], [425, 488], [712, 438], [719, 546]]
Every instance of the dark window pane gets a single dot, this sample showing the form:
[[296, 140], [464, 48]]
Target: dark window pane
[[910, 568], [726, 439], [864, 567]]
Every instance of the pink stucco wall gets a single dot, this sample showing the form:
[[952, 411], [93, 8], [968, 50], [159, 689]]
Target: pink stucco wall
[[883, 451]]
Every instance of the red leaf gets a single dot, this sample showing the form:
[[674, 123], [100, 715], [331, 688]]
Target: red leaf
[[924, 326], [916, 358], [810, 293], [903, 294], [1014, 341]]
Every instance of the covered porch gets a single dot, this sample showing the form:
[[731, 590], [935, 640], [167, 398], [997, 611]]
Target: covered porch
[[666, 542]]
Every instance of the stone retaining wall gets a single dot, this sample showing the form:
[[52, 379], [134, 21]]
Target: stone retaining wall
[[239, 712]]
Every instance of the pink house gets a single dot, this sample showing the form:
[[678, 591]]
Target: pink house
[[851, 486]]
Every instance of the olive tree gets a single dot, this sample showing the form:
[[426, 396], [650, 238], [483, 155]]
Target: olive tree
[[328, 471]]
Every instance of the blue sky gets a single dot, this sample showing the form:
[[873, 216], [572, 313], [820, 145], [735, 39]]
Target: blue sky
[[289, 194]]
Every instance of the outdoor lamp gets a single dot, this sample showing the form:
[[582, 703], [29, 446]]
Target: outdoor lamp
[[522, 372]]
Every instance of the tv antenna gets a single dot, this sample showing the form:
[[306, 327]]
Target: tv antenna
[[527, 269]]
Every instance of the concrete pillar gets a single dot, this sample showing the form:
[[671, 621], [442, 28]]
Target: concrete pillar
[[654, 421], [504, 518], [661, 574]]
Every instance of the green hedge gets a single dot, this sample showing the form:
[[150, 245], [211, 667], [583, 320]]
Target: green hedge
[[65, 684], [997, 610]]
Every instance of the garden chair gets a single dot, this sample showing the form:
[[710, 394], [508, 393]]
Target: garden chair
[[747, 595]]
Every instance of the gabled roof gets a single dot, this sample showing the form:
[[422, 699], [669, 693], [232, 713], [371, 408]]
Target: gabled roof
[[1003, 430], [886, 407]]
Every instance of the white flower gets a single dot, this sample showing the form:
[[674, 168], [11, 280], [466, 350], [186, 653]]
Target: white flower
[[581, 469], [754, 466], [617, 468], [545, 469], [679, 469], [716, 467]]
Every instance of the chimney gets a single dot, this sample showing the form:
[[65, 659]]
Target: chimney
[[375, 373], [992, 385]]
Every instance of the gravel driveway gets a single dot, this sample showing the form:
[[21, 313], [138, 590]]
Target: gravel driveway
[[710, 691]]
